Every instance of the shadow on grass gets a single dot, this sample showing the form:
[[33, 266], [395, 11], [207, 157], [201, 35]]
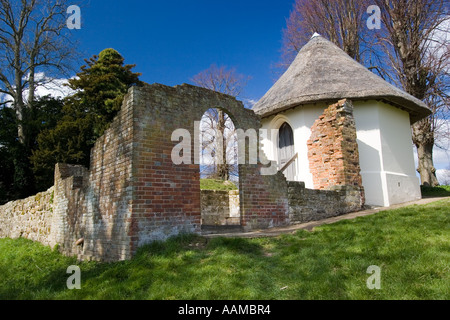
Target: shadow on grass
[[184, 267], [191, 267], [408, 244], [431, 192]]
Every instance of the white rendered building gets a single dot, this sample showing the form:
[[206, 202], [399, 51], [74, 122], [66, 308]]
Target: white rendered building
[[321, 75]]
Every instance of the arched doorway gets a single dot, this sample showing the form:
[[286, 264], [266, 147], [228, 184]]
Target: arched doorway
[[219, 172], [286, 151]]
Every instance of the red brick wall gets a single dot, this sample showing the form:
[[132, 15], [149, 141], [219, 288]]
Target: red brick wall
[[333, 149], [264, 201], [96, 205], [166, 198]]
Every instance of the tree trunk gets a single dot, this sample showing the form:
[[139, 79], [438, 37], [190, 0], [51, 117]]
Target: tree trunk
[[222, 167], [19, 104], [426, 168], [19, 107], [423, 138]]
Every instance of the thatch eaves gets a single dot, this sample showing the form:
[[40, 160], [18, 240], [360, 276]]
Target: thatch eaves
[[322, 72]]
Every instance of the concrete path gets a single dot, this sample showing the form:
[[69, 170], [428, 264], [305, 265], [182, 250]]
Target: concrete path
[[274, 232]]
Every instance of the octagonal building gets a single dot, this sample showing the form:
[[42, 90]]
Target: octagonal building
[[323, 74]]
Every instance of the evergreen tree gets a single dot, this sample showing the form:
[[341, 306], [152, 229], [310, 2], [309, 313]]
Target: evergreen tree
[[16, 174], [8, 141], [99, 89]]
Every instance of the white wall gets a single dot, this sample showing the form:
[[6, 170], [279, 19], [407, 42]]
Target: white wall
[[384, 143], [398, 155], [386, 154], [301, 120], [367, 119]]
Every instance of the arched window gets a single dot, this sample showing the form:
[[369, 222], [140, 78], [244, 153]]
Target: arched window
[[286, 150]]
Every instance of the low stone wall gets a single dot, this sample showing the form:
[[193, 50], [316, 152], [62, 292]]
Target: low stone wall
[[220, 208], [30, 218], [312, 205]]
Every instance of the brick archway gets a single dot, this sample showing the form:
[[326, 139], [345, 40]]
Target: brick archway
[[167, 197]]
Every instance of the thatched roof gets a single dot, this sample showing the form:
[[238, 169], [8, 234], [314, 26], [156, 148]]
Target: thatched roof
[[323, 72]]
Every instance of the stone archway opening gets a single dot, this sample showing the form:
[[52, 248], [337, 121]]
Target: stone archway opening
[[219, 172]]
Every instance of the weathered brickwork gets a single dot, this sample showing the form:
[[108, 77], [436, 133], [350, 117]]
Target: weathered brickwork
[[333, 149], [96, 205], [69, 207], [265, 203], [134, 193]]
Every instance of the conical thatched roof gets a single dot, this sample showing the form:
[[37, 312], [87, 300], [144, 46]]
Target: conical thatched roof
[[323, 72]]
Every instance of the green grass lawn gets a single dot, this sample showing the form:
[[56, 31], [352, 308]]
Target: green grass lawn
[[411, 246]]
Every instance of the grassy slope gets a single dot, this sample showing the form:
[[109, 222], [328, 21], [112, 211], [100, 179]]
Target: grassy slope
[[212, 184], [410, 245]]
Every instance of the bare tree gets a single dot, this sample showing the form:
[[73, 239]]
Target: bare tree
[[227, 81], [407, 51], [339, 21], [32, 40], [418, 59], [219, 146]]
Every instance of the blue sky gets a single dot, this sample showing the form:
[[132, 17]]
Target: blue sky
[[171, 41]]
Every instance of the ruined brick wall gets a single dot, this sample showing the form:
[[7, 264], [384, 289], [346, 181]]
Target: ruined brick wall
[[166, 200], [265, 202], [109, 191], [96, 205], [134, 194], [333, 149], [69, 207]]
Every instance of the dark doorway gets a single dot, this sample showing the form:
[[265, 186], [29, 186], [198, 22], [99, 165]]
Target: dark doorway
[[286, 151]]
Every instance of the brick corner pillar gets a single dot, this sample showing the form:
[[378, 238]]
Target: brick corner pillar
[[333, 149]]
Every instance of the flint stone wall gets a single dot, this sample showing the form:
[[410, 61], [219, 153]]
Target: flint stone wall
[[30, 218], [307, 205]]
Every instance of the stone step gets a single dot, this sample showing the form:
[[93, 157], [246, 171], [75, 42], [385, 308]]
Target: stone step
[[222, 229]]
